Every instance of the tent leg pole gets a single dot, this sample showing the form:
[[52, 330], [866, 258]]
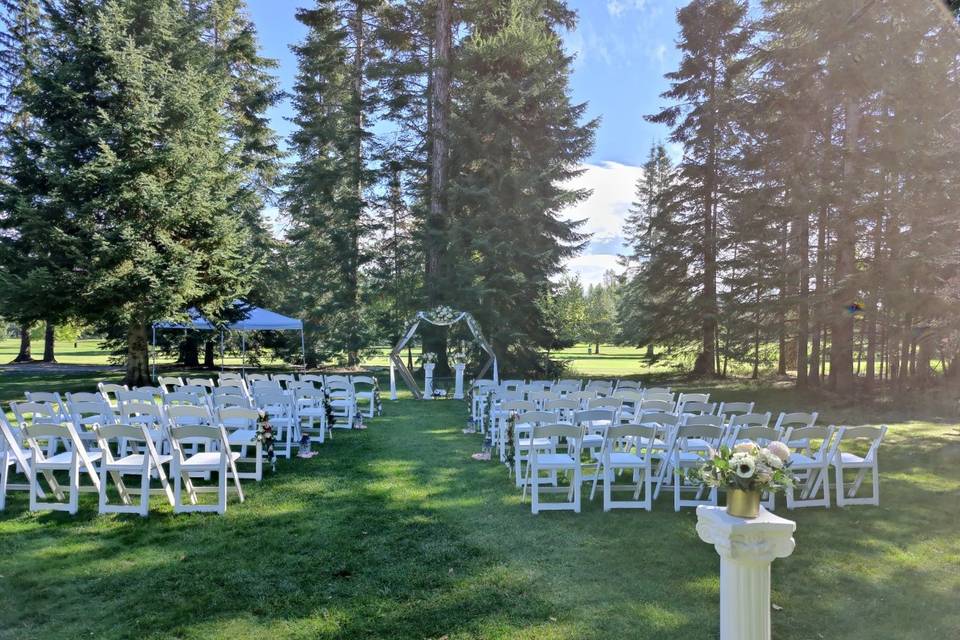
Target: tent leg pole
[[153, 353], [303, 350]]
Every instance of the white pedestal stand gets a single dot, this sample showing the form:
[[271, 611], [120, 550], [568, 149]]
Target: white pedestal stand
[[746, 549], [458, 385], [428, 380], [393, 381]]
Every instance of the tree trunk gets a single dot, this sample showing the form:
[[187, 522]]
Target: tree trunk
[[845, 248], [782, 307], [49, 338], [352, 279], [598, 347], [190, 352], [138, 355], [435, 250], [650, 352], [209, 361], [25, 354], [803, 300]]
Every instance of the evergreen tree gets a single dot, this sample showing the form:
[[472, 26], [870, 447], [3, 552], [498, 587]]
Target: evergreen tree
[[132, 124], [704, 87], [518, 140], [327, 186]]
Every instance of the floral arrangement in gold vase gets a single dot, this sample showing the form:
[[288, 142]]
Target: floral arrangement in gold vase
[[746, 471]]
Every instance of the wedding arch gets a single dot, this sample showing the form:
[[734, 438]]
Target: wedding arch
[[441, 317]]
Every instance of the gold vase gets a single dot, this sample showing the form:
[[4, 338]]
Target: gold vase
[[742, 503]]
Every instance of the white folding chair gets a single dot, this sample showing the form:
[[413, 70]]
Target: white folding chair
[[240, 424], [74, 458], [310, 411], [623, 385], [30, 413], [730, 409], [216, 457], [252, 378], [343, 403], [280, 411], [812, 448], [843, 461], [563, 410], [554, 462], [698, 408], [313, 378], [524, 443], [230, 397], [688, 451], [746, 420], [623, 450], [685, 398], [145, 462], [284, 379], [15, 455], [593, 424], [109, 392], [169, 383], [206, 383], [499, 431], [365, 390], [87, 415]]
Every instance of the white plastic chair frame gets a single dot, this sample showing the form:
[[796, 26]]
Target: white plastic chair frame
[[74, 459], [844, 461], [555, 462], [144, 464], [624, 449], [217, 458]]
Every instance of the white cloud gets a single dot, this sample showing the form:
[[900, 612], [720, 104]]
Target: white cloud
[[616, 7], [614, 186]]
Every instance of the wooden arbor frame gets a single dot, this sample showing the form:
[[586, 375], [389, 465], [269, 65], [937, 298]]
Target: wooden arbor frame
[[441, 317]]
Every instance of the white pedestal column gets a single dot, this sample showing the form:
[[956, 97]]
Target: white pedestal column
[[393, 380], [746, 548], [458, 384], [428, 380]]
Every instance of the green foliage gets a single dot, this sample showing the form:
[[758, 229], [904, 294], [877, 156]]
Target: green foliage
[[518, 140]]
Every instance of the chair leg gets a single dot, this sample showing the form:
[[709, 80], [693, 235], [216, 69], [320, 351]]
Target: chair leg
[[222, 486], [534, 490], [145, 488], [577, 482], [4, 479], [74, 484]]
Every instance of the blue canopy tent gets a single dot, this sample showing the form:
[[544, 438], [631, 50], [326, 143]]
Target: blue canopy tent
[[253, 319]]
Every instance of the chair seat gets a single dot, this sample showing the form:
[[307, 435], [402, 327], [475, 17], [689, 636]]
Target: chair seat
[[851, 459], [312, 411], [591, 440], [687, 457], [539, 443], [799, 460], [133, 462], [206, 460], [64, 459], [242, 436], [619, 458], [555, 460]]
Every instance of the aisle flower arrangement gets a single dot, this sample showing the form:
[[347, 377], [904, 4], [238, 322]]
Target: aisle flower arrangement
[[266, 438], [747, 467]]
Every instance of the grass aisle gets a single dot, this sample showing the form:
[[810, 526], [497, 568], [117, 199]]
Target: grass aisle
[[394, 532]]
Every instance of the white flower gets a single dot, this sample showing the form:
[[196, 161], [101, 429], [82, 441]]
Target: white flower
[[780, 450], [770, 459], [747, 446], [743, 465]]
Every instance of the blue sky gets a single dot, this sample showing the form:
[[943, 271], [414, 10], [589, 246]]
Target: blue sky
[[622, 48]]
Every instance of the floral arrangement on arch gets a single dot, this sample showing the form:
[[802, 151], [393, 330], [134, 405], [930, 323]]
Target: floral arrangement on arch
[[442, 315], [747, 466], [266, 438]]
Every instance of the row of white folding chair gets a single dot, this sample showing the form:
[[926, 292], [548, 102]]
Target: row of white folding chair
[[22, 450]]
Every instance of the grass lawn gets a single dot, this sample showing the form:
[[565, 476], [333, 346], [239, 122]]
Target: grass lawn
[[394, 532]]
